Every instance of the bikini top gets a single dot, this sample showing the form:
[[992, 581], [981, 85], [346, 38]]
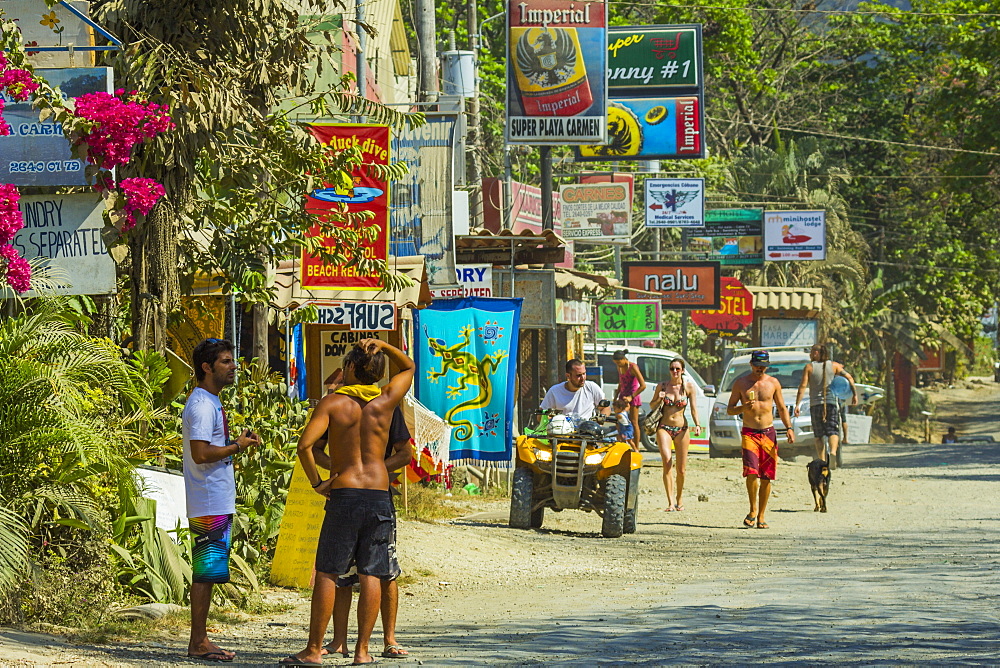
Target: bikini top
[[680, 403]]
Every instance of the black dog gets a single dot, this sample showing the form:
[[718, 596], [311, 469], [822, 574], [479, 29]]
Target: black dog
[[819, 479]]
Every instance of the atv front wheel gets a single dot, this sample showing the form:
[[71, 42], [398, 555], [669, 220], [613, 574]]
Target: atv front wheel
[[614, 506], [521, 493], [630, 518]]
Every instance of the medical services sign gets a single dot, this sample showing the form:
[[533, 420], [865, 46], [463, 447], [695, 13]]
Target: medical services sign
[[794, 235], [557, 61]]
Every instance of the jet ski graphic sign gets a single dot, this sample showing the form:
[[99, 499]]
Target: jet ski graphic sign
[[794, 235], [367, 194]]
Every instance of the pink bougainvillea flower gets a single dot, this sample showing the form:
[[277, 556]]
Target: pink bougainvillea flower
[[120, 124], [18, 270], [11, 219]]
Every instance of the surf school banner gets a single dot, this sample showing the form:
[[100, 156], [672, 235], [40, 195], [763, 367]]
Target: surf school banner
[[367, 194], [465, 372], [557, 57]]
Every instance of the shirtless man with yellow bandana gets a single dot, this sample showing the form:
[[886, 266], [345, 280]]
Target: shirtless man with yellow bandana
[[358, 524]]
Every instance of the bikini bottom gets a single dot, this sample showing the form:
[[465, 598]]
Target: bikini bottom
[[674, 431]]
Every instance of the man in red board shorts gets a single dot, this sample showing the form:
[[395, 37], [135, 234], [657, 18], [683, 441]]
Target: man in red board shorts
[[757, 395]]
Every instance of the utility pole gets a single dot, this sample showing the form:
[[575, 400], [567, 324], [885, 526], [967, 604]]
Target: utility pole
[[427, 56], [474, 137], [359, 19], [552, 335]]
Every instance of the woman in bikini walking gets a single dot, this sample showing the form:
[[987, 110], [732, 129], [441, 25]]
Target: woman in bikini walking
[[676, 395]]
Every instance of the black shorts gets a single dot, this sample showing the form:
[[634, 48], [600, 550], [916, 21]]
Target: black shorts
[[357, 530], [350, 579], [828, 427]]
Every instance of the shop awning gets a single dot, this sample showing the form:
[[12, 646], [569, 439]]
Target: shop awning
[[506, 248], [786, 299], [289, 291]]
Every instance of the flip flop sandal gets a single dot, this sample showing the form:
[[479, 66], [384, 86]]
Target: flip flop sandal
[[292, 660], [327, 649], [217, 656], [394, 651], [762, 525], [749, 521]]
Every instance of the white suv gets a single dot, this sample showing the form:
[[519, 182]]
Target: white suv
[[654, 363], [787, 365]]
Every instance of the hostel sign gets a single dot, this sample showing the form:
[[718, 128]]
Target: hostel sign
[[735, 314], [556, 71]]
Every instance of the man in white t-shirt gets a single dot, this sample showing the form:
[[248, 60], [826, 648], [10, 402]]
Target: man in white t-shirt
[[577, 396], [210, 485]]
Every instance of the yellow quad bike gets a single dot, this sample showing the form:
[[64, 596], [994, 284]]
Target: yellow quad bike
[[564, 464]]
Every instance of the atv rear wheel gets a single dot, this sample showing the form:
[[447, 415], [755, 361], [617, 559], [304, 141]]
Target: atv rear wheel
[[521, 495], [614, 506]]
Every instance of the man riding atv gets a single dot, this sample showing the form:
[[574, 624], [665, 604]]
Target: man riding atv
[[571, 459], [577, 397]]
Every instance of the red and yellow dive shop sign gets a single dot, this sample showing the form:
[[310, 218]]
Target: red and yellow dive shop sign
[[367, 193]]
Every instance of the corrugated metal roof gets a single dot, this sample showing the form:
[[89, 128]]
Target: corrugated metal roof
[[526, 247], [767, 298]]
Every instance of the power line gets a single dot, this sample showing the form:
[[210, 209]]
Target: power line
[[780, 10], [852, 138]]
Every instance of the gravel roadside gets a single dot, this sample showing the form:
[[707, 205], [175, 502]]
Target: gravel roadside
[[903, 569]]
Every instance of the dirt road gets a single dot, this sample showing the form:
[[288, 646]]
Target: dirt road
[[903, 569]]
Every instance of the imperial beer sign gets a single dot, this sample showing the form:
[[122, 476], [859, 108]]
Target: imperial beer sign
[[556, 72]]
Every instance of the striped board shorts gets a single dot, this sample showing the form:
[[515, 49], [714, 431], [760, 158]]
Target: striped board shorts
[[212, 536]]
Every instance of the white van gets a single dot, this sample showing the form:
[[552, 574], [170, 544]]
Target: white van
[[654, 363]]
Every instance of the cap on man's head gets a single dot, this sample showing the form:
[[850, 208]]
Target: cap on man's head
[[760, 358]]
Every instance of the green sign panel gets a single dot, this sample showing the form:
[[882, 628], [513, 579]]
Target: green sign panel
[[627, 319], [734, 215], [654, 57], [731, 236]]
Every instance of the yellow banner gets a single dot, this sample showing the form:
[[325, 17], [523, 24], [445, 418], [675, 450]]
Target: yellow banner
[[295, 554]]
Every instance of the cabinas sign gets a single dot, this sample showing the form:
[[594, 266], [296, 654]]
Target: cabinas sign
[[682, 285]]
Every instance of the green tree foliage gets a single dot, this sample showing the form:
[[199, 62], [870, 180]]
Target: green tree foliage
[[235, 168]]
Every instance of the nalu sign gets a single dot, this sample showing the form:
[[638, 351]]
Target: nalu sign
[[682, 285], [378, 316]]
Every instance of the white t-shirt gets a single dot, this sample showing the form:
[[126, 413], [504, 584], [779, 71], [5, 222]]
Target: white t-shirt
[[582, 403], [210, 488]]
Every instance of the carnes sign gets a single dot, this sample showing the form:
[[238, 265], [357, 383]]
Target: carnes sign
[[682, 285]]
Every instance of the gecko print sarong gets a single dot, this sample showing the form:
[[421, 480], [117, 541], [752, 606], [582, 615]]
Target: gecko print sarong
[[466, 355], [760, 452]]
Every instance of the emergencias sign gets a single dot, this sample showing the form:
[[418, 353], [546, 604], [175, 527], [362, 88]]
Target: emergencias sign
[[675, 202], [556, 71], [596, 211], [682, 285]]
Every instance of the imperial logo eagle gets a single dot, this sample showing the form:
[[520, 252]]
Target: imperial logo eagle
[[548, 61]]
